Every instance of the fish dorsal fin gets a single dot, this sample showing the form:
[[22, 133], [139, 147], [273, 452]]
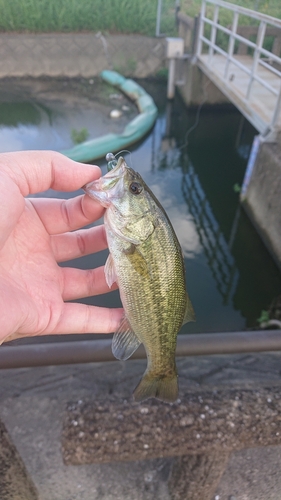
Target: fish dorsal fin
[[109, 271], [189, 314], [124, 342]]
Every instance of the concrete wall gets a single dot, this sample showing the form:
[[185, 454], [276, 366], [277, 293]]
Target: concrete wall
[[262, 200], [75, 54], [198, 88]]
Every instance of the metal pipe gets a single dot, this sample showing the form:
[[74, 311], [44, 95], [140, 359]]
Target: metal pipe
[[200, 29], [158, 18], [231, 44], [257, 54], [89, 351], [171, 79], [213, 33]]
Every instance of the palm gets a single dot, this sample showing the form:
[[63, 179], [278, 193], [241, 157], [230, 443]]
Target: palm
[[34, 281], [33, 288]]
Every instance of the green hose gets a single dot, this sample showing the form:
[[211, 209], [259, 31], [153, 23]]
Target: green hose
[[133, 132]]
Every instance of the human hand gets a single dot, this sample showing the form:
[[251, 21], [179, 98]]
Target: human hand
[[36, 234]]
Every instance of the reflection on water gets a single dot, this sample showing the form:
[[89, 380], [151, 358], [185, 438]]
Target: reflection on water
[[216, 249], [41, 114], [229, 273], [21, 113]]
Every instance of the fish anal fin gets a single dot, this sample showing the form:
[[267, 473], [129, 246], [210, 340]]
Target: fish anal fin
[[163, 387], [189, 314], [124, 342], [109, 271]]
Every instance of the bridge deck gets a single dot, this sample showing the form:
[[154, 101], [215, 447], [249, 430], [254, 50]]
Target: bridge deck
[[259, 108]]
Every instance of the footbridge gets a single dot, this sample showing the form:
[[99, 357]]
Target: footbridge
[[239, 50], [243, 61]]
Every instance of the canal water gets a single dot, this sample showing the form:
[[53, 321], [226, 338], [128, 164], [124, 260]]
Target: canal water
[[194, 161], [44, 113]]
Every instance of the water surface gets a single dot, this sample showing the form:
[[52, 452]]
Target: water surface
[[229, 273]]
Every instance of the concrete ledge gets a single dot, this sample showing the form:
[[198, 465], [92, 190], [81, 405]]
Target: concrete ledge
[[196, 477], [79, 54], [213, 421], [15, 483], [33, 403], [199, 432]]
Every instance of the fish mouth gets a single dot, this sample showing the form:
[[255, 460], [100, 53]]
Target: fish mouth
[[107, 186]]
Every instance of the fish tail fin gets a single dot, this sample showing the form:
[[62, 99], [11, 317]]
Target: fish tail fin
[[164, 387]]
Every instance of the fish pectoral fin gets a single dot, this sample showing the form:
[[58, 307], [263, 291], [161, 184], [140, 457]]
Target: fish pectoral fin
[[109, 271], [137, 260], [189, 314], [142, 228], [124, 342]]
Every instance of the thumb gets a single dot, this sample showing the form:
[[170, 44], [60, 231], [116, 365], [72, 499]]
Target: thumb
[[11, 206]]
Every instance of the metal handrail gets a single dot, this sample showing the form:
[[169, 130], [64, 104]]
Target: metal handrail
[[91, 351], [241, 39], [268, 66], [259, 16], [259, 51], [241, 66]]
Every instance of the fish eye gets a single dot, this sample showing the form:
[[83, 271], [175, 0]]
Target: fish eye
[[135, 188]]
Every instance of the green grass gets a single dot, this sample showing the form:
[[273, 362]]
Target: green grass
[[108, 16], [269, 7], [114, 16]]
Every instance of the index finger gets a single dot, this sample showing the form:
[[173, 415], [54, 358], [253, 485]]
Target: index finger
[[37, 171], [60, 216]]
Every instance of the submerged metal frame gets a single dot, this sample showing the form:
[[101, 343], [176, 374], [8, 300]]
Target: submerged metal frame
[[90, 351]]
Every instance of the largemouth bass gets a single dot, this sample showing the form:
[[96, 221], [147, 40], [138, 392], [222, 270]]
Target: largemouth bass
[[146, 262]]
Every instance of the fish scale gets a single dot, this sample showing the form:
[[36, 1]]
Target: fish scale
[[148, 304], [146, 261]]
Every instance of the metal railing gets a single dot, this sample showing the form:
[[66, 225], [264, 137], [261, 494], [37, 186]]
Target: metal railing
[[267, 26]]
